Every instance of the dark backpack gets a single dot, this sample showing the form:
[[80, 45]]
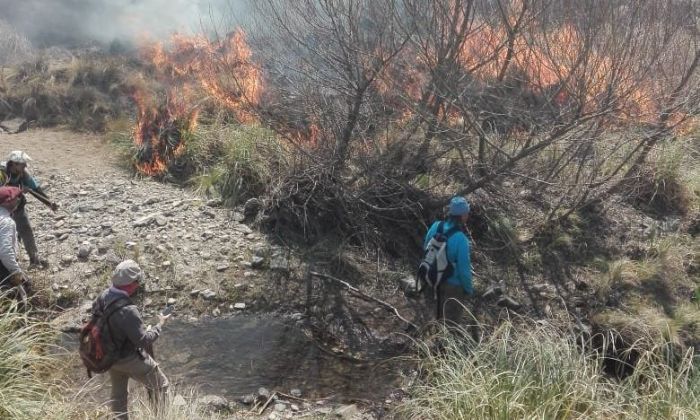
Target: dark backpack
[[97, 347], [434, 267]]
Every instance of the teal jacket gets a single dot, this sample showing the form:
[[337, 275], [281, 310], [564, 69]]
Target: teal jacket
[[25, 179], [458, 250]]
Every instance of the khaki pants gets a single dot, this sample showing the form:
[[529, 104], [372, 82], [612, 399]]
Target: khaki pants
[[145, 371]]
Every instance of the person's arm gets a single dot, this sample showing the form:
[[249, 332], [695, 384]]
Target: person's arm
[[28, 181], [130, 322], [464, 265], [431, 232], [8, 252]]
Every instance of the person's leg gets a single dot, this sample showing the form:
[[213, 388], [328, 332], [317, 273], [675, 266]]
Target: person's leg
[[120, 392], [451, 299], [150, 375], [26, 234]]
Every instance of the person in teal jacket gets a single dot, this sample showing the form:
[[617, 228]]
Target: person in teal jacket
[[452, 290]]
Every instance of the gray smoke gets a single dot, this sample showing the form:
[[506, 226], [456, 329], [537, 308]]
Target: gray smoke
[[66, 22]]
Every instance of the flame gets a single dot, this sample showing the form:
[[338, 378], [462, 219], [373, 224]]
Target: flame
[[194, 69]]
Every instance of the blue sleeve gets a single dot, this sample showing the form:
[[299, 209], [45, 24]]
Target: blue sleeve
[[430, 234], [464, 265], [29, 182]]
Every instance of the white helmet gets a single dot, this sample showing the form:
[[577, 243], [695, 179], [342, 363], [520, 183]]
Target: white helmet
[[18, 156]]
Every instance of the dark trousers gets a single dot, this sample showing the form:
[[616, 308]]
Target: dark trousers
[[448, 305], [26, 234]]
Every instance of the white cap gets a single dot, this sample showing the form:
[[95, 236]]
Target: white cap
[[18, 156]]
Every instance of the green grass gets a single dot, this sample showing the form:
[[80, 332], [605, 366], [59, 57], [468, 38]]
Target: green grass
[[234, 162], [540, 372]]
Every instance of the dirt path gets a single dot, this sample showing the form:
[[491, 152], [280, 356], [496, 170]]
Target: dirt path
[[54, 150]]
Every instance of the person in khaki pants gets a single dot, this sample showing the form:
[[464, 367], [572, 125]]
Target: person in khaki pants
[[131, 338]]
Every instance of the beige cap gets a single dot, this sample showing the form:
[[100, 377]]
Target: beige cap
[[127, 272]]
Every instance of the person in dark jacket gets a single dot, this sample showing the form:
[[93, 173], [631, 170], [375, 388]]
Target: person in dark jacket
[[131, 338], [451, 291], [14, 172]]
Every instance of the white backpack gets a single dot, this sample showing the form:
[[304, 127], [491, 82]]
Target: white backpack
[[434, 267]]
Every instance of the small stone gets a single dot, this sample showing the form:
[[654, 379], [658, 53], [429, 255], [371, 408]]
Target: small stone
[[279, 407], [296, 393], [216, 312], [195, 292], [161, 221], [295, 407], [222, 267], [207, 294], [67, 259], [166, 264], [146, 220], [130, 244], [84, 250], [239, 305], [263, 392], [257, 262], [247, 399], [171, 301]]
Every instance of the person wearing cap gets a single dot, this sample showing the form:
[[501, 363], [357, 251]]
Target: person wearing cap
[[131, 338], [14, 173], [453, 289], [10, 272]]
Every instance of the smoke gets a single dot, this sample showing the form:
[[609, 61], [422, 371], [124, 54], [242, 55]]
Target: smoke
[[70, 22]]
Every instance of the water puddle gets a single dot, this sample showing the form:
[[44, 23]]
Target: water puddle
[[235, 356]]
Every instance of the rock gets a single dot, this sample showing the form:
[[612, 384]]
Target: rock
[[207, 294], [222, 267], [146, 220], [161, 221], [247, 399], [263, 392], [171, 301], [195, 292], [239, 305], [348, 412], [210, 214], [15, 125], [165, 264], [214, 202], [295, 407], [251, 208], [257, 262], [216, 312], [296, 393], [84, 250], [279, 407], [213, 403], [67, 259]]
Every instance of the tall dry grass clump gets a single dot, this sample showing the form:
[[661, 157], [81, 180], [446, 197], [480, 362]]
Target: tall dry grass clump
[[23, 363], [539, 371]]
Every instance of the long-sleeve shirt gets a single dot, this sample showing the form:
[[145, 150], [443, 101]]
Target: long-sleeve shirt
[[9, 245], [458, 254], [23, 180], [128, 330]]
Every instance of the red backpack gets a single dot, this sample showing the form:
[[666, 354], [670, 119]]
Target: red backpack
[[97, 348]]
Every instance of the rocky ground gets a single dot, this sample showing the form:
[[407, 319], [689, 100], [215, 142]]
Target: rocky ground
[[198, 256]]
